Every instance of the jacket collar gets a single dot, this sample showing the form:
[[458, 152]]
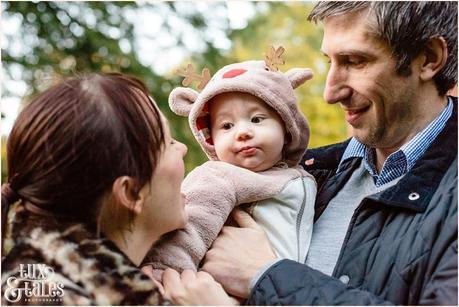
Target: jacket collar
[[415, 190]]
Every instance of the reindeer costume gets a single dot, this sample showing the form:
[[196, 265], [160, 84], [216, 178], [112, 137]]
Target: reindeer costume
[[282, 196]]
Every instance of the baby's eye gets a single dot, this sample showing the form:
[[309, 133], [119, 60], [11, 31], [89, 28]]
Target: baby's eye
[[257, 119], [227, 126]]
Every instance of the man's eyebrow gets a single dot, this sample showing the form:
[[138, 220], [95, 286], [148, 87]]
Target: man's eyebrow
[[357, 52], [353, 52]]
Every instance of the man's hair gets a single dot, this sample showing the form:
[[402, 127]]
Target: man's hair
[[407, 27]]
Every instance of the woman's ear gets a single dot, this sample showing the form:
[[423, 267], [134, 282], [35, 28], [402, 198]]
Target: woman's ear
[[181, 100], [125, 194], [434, 58]]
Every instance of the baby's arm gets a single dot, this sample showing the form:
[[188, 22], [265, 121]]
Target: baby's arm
[[212, 191]]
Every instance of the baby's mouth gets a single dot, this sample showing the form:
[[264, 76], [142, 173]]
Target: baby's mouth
[[247, 150]]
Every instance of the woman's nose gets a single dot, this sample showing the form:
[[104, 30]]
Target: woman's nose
[[336, 88], [183, 148]]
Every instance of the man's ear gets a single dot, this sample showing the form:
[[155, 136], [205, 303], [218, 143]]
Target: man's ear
[[435, 55], [124, 193]]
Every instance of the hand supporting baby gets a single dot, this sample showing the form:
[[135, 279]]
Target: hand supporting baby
[[191, 288]]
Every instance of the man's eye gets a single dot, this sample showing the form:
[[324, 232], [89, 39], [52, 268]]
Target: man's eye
[[257, 119], [354, 61], [227, 126]]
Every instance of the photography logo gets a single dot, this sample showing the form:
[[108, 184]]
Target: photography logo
[[34, 284]]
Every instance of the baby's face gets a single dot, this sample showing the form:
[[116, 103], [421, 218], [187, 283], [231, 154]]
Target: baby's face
[[246, 132]]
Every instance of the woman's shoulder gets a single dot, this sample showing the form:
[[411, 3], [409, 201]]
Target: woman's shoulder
[[71, 267]]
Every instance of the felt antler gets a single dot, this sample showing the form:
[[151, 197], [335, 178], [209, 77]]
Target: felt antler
[[190, 76], [273, 58]]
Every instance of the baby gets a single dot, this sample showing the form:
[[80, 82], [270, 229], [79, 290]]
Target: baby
[[247, 121]]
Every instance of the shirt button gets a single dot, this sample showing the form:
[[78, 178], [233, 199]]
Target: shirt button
[[413, 196], [344, 279]]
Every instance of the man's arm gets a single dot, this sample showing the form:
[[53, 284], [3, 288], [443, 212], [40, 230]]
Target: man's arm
[[239, 253], [291, 283], [441, 288]]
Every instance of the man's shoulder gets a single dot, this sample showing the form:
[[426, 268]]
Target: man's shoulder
[[325, 157]]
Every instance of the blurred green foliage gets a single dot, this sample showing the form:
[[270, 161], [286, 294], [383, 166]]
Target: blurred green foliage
[[67, 38]]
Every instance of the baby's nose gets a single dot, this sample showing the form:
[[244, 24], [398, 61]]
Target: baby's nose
[[244, 133]]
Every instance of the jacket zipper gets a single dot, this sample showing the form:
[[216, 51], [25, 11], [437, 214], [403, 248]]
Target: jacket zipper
[[298, 221]]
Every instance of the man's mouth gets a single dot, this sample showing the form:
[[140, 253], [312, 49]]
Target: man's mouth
[[353, 115]]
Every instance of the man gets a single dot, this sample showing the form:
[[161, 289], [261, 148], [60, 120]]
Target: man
[[385, 227]]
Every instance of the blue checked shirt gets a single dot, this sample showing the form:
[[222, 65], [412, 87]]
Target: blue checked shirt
[[403, 160]]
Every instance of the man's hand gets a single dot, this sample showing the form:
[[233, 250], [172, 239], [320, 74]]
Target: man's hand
[[238, 254]]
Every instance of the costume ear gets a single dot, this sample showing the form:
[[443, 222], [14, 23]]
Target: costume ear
[[181, 100], [298, 76]]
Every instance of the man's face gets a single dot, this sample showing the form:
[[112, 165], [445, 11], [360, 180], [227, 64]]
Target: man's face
[[380, 105]]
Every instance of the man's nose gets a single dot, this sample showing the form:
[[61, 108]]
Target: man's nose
[[244, 133], [336, 87]]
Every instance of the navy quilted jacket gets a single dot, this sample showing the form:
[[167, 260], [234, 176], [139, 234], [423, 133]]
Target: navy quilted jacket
[[396, 250]]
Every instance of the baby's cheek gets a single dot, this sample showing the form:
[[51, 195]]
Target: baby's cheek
[[221, 147]]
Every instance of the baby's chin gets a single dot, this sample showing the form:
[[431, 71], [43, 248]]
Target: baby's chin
[[253, 164], [256, 166]]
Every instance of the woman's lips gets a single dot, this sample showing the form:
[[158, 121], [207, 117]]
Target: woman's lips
[[352, 116]]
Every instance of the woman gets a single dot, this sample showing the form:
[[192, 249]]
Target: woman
[[94, 181]]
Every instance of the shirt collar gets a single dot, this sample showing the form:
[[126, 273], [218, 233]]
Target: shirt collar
[[414, 149], [410, 151]]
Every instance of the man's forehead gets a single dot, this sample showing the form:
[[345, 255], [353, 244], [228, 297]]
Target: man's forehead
[[350, 32]]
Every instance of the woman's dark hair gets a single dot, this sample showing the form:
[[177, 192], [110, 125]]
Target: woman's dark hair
[[72, 141], [407, 26]]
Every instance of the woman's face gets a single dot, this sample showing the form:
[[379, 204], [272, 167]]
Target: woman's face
[[164, 203]]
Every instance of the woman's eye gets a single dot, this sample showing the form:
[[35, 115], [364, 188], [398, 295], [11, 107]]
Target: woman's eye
[[173, 142], [227, 126], [257, 119]]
